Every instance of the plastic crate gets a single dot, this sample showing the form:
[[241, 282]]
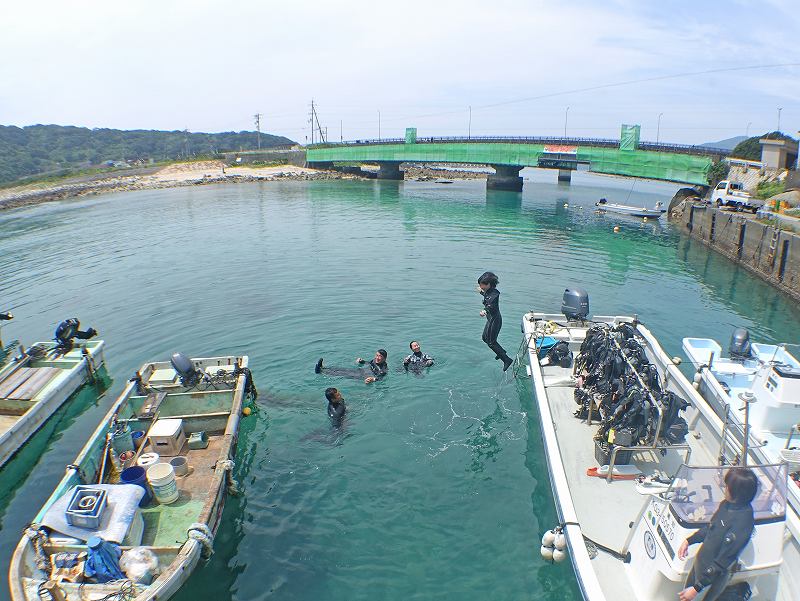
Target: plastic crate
[[85, 509], [603, 450]]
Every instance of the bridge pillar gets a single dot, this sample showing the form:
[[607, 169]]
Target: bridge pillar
[[565, 175], [389, 170], [505, 177]]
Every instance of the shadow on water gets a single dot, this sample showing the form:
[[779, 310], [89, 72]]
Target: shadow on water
[[504, 201]]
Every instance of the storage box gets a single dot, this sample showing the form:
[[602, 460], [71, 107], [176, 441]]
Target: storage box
[[198, 440], [167, 437], [602, 452], [85, 509]]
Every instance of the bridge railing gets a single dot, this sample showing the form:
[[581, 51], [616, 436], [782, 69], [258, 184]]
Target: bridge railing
[[554, 140]]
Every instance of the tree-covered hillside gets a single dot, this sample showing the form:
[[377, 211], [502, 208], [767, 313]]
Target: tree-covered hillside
[[750, 149], [35, 149]]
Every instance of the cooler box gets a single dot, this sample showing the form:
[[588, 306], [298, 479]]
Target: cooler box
[[167, 437]]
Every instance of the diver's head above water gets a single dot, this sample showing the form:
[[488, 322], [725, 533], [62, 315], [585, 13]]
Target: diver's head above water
[[414, 346], [333, 395], [380, 356]]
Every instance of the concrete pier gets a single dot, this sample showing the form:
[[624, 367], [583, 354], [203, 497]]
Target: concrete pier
[[389, 170], [565, 175], [505, 177]]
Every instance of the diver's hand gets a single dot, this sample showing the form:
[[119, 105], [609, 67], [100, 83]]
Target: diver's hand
[[683, 550], [369, 380], [406, 361], [687, 594], [91, 333], [359, 360], [483, 313]]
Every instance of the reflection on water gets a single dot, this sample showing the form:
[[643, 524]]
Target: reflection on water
[[437, 487]]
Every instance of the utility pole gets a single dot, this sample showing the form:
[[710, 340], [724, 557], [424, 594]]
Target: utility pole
[[379, 125], [341, 136], [566, 114], [658, 129], [747, 131], [314, 121], [257, 117], [780, 108], [469, 127]]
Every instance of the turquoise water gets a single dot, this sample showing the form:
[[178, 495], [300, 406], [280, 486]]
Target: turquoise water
[[435, 488]]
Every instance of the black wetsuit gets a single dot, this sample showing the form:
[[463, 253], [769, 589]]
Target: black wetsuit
[[336, 412], [417, 361], [724, 538], [378, 369], [372, 369], [494, 321]]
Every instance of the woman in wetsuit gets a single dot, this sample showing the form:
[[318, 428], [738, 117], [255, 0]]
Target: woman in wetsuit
[[724, 538], [487, 285]]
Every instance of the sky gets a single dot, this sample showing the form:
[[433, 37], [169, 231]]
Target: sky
[[525, 67]]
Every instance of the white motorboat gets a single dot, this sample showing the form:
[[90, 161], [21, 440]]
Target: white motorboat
[[35, 382], [604, 206], [766, 379], [628, 492]]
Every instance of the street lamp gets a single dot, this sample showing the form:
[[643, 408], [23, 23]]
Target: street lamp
[[747, 132], [566, 114], [658, 128], [469, 127], [780, 108], [379, 125]]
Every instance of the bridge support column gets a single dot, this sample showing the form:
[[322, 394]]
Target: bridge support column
[[565, 175], [389, 170], [505, 177]]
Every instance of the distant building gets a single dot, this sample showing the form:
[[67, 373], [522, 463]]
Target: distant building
[[778, 154]]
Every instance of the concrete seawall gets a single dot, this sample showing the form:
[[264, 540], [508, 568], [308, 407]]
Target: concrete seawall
[[767, 251]]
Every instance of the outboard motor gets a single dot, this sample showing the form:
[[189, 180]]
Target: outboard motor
[[185, 369], [739, 347], [575, 305], [68, 330]]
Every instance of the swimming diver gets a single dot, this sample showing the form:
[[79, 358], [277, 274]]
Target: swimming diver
[[487, 286], [417, 360], [336, 406], [374, 369]]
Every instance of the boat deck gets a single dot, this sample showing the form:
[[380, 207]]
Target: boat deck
[[166, 525]]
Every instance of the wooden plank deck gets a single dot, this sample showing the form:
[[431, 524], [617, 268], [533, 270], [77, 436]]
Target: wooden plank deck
[[35, 383]]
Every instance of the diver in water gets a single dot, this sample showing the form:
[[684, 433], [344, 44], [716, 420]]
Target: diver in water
[[487, 286], [417, 359], [336, 406], [373, 370]]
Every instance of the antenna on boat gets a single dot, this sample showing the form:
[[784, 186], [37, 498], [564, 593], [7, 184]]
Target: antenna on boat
[[748, 398], [629, 192]]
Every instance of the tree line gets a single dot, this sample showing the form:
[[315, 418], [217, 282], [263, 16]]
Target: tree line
[[56, 149]]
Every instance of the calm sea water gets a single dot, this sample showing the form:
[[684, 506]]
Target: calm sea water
[[435, 488]]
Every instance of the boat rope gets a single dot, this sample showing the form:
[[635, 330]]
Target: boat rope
[[126, 591], [625, 558], [233, 486], [202, 534], [90, 368], [38, 538]]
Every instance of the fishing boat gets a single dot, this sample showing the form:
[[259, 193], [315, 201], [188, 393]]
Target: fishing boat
[[609, 207], [154, 510], [35, 382], [765, 379], [636, 459]]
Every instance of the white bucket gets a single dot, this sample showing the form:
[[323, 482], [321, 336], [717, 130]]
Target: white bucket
[[161, 477], [147, 459]]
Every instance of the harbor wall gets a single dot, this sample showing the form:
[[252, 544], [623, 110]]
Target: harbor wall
[[768, 251]]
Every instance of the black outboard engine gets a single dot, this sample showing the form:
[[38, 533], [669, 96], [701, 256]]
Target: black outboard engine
[[575, 305], [739, 347], [185, 369], [6, 316], [68, 330]]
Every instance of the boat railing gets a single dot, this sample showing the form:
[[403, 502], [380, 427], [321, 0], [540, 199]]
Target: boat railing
[[655, 447]]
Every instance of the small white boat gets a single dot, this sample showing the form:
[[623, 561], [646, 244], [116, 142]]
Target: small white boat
[[767, 378], [627, 497], [35, 382], [186, 414], [604, 206]]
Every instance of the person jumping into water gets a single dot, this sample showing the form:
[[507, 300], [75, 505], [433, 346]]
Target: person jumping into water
[[487, 286], [374, 369], [417, 359]]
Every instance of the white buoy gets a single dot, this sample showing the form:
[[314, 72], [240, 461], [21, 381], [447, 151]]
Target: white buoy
[[559, 555], [561, 542], [547, 553], [698, 377], [644, 218], [549, 538], [566, 205]]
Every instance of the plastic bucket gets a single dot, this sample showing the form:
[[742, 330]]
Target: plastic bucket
[[162, 479], [137, 475], [121, 439], [180, 465], [147, 459], [138, 438]]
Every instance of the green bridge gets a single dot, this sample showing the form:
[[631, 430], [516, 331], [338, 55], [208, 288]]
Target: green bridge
[[625, 157]]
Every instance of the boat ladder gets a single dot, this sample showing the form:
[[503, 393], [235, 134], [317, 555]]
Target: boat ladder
[[773, 246], [730, 445]]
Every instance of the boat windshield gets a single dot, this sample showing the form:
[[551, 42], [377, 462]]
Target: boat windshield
[[696, 492]]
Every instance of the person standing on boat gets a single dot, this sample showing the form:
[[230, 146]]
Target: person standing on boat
[[724, 538], [374, 369], [487, 286], [417, 359], [336, 406]]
